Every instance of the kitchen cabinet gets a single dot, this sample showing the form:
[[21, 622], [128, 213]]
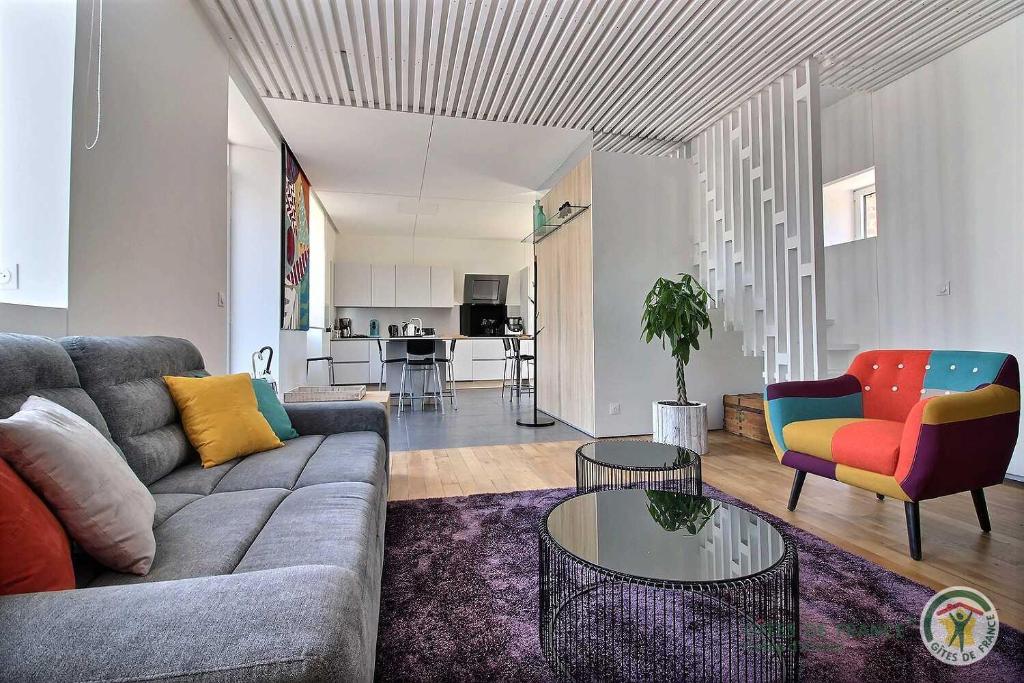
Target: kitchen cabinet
[[464, 360], [352, 373], [382, 286], [352, 284], [351, 351], [488, 349], [412, 286], [442, 287], [488, 369]]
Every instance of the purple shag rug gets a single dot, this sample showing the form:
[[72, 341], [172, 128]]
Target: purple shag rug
[[460, 601]]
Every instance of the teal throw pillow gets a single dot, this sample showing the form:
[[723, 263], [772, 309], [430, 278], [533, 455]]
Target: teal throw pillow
[[271, 409]]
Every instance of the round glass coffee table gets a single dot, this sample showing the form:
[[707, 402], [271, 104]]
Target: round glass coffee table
[[658, 585], [621, 463]]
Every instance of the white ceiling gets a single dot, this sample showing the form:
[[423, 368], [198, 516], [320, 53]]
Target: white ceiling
[[395, 173], [642, 75]]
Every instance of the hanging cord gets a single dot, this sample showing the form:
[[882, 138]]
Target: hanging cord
[[99, 69]]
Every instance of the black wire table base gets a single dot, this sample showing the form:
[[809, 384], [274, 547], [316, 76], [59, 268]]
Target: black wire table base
[[682, 477], [597, 624]]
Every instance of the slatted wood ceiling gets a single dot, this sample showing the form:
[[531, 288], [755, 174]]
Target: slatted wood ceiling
[[643, 75]]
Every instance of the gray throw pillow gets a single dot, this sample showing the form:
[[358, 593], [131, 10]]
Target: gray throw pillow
[[91, 489]]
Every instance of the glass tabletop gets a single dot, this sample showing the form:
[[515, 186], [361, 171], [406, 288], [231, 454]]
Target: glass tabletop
[[638, 454], [665, 536]]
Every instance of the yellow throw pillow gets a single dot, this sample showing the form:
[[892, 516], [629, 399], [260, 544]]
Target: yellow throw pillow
[[221, 417]]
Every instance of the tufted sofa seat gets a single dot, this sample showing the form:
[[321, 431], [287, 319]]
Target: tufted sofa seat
[[267, 567], [908, 424]]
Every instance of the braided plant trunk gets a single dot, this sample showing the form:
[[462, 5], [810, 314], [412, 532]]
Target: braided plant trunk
[[681, 381]]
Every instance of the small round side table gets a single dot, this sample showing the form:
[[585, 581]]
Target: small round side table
[[621, 463]]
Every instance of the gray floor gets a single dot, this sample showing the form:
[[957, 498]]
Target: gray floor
[[483, 419]]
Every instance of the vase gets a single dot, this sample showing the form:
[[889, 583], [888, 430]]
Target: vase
[[682, 425]]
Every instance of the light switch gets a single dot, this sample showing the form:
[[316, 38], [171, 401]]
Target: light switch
[[614, 408], [221, 301]]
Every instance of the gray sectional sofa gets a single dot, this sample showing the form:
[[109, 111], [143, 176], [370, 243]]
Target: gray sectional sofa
[[267, 567]]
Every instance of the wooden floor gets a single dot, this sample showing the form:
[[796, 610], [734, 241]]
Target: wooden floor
[[955, 550]]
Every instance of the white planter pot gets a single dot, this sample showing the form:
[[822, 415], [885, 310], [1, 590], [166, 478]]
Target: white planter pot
[[685, 426]]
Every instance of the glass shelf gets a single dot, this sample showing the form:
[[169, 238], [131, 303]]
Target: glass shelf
[[556, 221]]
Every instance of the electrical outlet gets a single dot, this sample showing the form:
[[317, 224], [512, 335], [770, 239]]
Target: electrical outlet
[[614, 408], [944, 289], [9, 277], [221, 302]]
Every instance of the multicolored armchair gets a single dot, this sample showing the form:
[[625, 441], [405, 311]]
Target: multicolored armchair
[[911, 425]]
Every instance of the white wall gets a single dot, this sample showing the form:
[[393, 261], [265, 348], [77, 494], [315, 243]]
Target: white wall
[[41, 320], [255, 254], [149, 212], [37, 52], [639, 216], [948, 151]]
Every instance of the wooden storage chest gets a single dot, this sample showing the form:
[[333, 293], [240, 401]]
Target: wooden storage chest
[[744, 416]]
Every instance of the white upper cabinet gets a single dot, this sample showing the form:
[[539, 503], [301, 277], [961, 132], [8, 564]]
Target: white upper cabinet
[[352, 284], [382, 286], [412, 286], [442, 287], [390, 286]]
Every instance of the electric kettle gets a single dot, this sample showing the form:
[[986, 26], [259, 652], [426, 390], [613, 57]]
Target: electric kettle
[[411, 328]]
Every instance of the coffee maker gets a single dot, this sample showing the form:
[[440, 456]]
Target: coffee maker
[[344, 327]]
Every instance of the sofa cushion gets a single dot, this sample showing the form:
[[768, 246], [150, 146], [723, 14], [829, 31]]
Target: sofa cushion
[[123, 375], [279, 467], [334, 524], [871, 445], [307, 460], [351, 456], [206, 537], [37, 366], [276, 468]]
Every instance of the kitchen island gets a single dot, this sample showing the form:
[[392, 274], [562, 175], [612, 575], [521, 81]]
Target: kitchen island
[[357, 360]]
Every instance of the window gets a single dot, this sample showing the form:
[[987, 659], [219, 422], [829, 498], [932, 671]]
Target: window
[[866, 218], [850, 208]]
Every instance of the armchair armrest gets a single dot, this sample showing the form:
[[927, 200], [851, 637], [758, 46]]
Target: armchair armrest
[[292, 623], [958, 442], [787, 402], [336, 417]]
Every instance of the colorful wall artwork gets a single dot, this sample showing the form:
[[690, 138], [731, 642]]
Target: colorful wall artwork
[[294, 245]]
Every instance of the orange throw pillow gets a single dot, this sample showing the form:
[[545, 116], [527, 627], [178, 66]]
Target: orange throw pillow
[[34, 551]]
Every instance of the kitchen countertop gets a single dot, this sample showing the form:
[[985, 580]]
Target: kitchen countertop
[[438, 337]]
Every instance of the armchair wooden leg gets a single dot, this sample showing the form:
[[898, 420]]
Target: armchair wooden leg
[[982, 509], [879, 496], [914, 528], [794, 493]]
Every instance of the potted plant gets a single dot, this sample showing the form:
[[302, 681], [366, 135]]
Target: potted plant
[[676, 312]]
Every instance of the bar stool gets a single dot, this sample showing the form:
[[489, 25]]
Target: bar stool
[[330, 367], [510, 362], [384, 362], [523, 358], [449, 369], [420, 357]]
